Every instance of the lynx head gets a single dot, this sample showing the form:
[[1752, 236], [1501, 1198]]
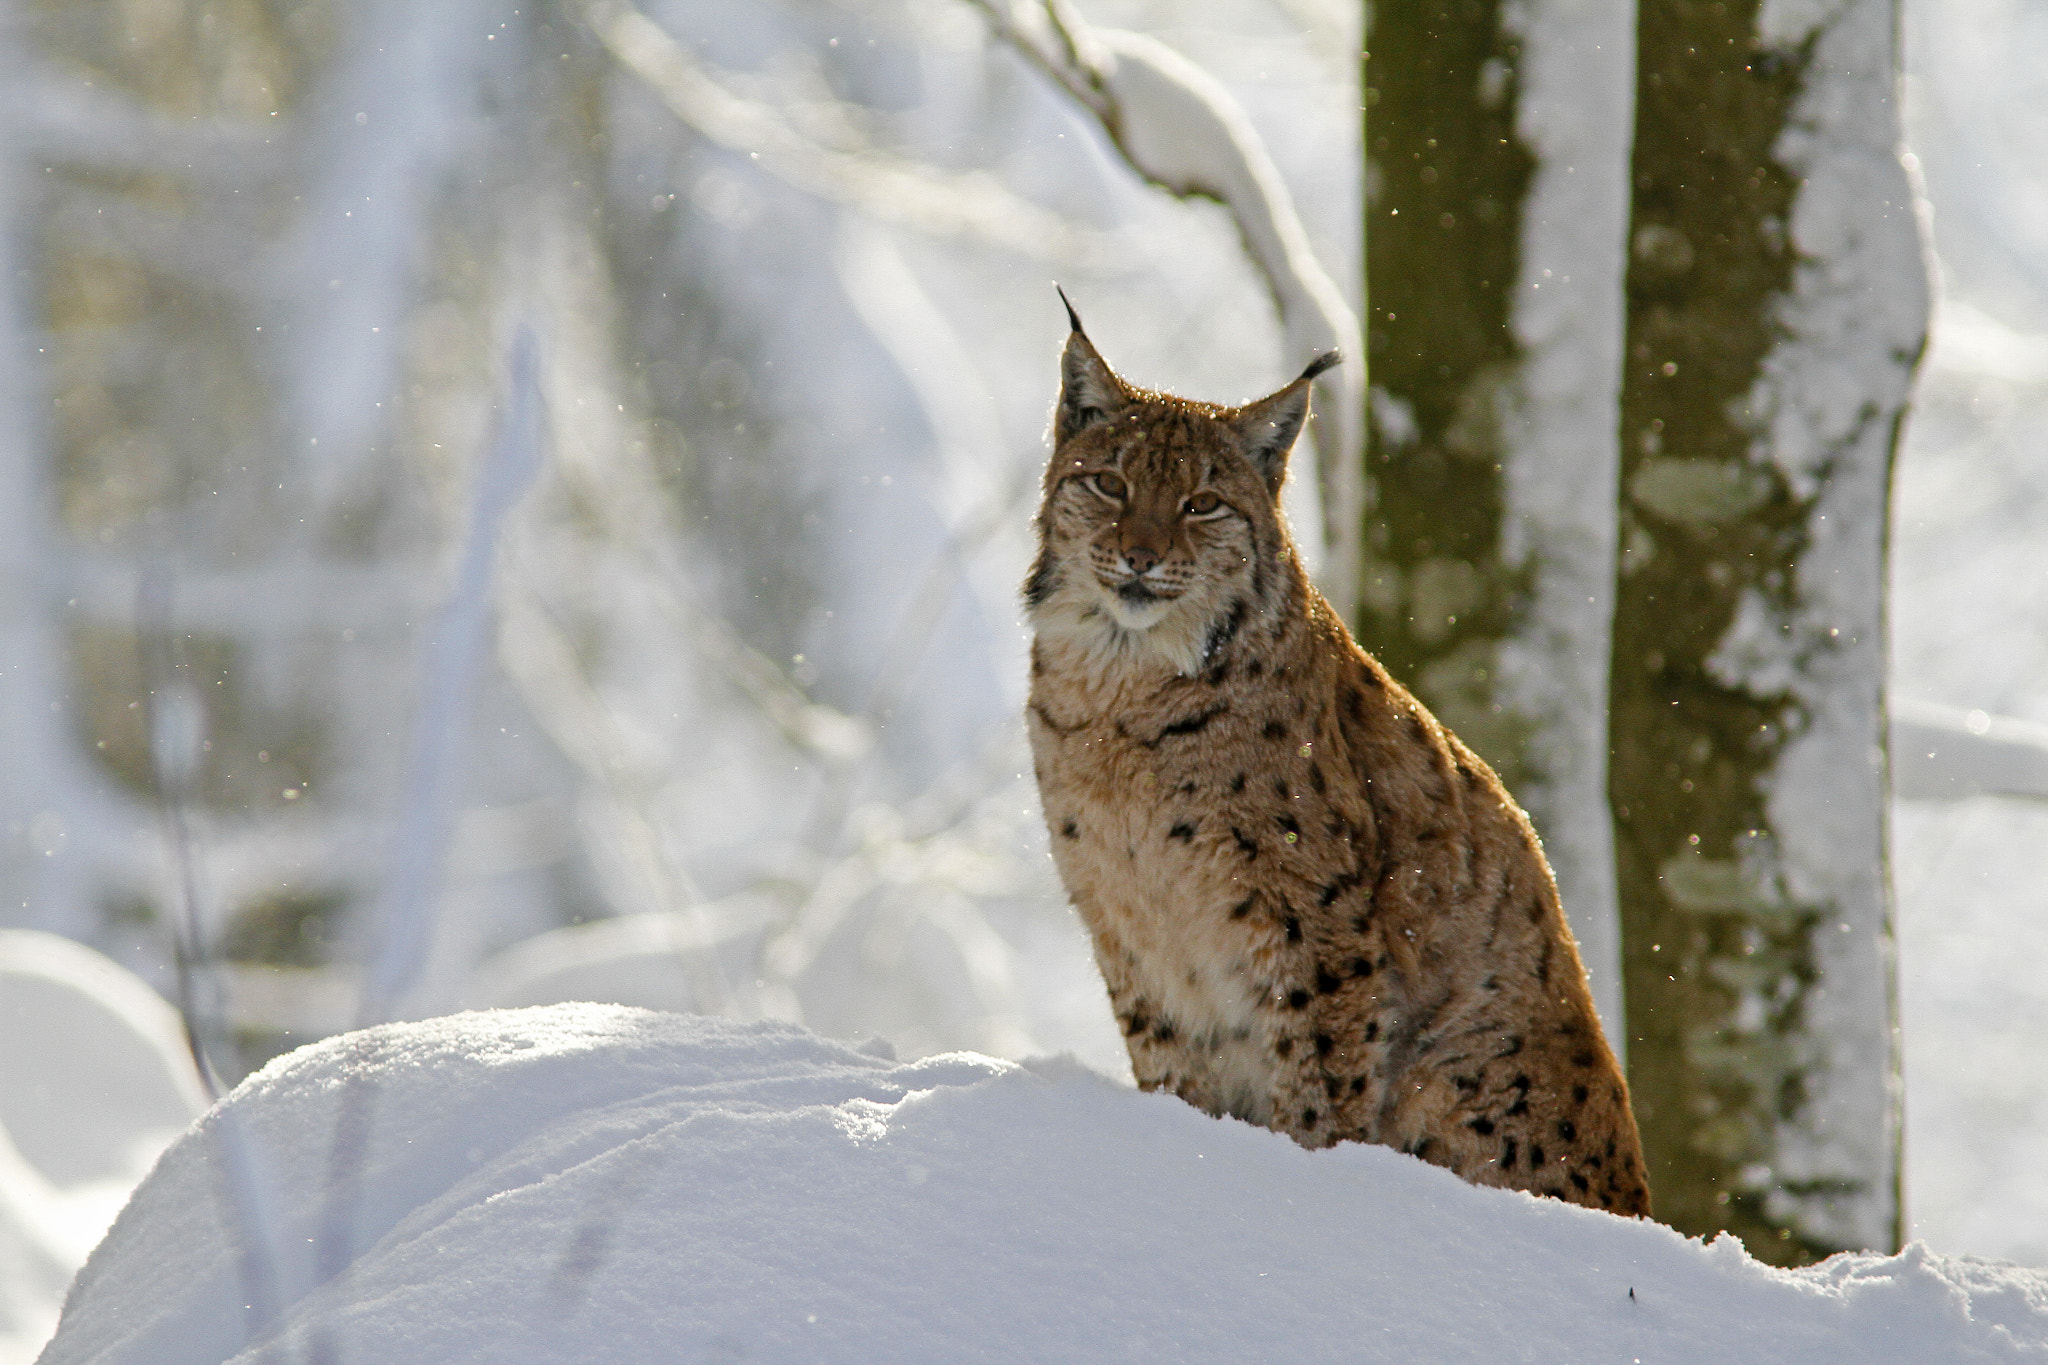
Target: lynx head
[[1160, 531]]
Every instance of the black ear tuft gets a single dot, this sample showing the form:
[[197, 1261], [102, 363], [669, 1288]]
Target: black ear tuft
[[1269, 427], [1328, 360], [1073, 318], [1090, 392]]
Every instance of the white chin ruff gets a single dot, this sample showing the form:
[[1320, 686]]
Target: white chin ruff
[[1114, 632], [1139, 616]]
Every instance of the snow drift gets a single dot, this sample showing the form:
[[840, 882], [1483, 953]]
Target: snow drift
[[585, 1182], [94, 1083]]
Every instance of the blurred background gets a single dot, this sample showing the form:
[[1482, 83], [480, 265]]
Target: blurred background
[[548, 477], [1969, 616]]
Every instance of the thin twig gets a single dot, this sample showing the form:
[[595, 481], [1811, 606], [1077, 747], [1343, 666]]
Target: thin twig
[[172, 773], [204, 1035]]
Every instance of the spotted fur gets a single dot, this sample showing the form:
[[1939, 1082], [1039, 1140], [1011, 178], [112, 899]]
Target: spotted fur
[[1314, 908]]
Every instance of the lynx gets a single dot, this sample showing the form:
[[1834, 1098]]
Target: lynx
[[1314, 908]]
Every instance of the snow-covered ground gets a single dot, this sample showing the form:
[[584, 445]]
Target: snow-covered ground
[[585, 1182]]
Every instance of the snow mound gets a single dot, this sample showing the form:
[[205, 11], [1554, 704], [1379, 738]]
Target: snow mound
[[94, 1082], [585, 1182]]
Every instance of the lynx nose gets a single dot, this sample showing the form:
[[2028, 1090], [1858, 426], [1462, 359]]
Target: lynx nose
[[1140, 558]]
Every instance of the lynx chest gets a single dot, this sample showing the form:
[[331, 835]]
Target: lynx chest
[[1161, 858]]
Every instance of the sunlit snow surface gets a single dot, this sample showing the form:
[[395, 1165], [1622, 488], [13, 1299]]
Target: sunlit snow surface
[[584, 1182]]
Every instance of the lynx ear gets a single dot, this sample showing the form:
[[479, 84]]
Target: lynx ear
[[1090, 392], [1270, 426]]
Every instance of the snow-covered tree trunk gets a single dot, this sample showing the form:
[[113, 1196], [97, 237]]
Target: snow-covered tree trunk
[[1496, 208], [1777, 306]]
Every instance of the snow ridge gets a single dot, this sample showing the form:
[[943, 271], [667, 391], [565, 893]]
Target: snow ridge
[[585, 1182]]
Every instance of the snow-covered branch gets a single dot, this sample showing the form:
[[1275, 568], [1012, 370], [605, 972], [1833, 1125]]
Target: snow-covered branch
[[1944, 753], [854, 173], [1179, 128]]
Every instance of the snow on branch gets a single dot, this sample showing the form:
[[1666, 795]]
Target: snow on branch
[[1178, 127], [1944, 753], [452, 662], [853, 173]]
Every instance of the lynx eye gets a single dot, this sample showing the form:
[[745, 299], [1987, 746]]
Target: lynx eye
[[1110, 486], [1202, 504]]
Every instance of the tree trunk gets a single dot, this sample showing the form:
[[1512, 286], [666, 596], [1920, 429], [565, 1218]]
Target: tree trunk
[[1776, 308], [1496, 209]]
